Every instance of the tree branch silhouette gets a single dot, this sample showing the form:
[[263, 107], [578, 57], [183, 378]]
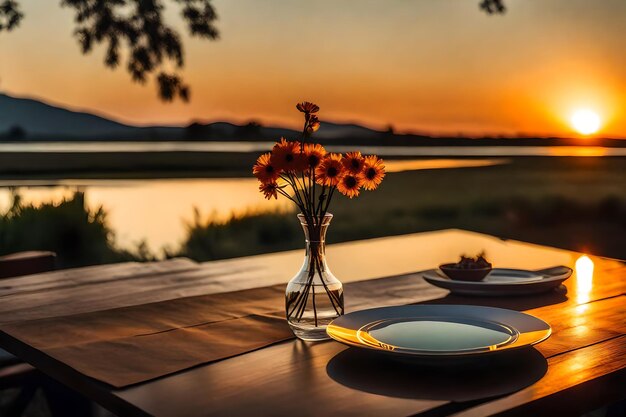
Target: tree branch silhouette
[[10, 15], [137, 26], [493, 6], [134, 30]]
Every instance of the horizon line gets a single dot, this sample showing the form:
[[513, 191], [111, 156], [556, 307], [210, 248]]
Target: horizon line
[[243, 121]]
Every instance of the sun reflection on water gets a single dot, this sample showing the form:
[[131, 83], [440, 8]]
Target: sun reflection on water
[[584, 278], [578, 151]]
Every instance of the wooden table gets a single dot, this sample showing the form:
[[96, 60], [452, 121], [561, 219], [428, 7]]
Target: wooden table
[[585, 357]]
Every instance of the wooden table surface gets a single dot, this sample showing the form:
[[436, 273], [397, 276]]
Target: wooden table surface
[[580, 367]]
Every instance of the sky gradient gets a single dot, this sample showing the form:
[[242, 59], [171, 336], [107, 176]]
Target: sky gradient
[[437, 66]]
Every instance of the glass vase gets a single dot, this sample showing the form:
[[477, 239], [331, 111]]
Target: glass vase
[[314, 296]]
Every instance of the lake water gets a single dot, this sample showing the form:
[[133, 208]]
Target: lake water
[[157, 210], [409, 151]]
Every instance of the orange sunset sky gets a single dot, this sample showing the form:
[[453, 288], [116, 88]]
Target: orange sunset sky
[[438, 66]]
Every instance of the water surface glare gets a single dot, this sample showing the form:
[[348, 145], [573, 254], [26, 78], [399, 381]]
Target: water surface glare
[[154, 211], [157, 210], [244, 147]]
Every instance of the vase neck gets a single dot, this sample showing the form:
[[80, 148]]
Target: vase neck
[[315, 239]]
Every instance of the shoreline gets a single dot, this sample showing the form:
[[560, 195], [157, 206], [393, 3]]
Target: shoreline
[[187, 164]]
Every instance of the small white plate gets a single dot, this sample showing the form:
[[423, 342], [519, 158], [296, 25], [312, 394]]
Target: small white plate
[[503, 281], [438, 330]]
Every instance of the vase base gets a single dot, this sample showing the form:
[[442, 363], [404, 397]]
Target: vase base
[[311, 335]]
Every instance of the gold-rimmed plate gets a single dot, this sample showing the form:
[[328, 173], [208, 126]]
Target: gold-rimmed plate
[[438, 330]]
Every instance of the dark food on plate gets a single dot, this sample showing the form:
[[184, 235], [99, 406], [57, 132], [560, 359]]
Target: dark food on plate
[[472, 263], [467, 269]]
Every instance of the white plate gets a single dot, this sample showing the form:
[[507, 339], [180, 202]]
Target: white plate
[[438, 330], [503, 281]]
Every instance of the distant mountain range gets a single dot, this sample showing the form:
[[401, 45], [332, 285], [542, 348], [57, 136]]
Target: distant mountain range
[[36, 118], [30, 119]]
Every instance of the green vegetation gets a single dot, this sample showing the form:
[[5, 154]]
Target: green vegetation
[[241, 236], [77, 235], [597, 227], [574, 203]]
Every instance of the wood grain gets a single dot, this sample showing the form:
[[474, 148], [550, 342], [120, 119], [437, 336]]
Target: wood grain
[[293, 375], [111, 286], [566, 388]]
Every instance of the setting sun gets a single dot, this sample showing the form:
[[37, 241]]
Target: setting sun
[[585, 121]]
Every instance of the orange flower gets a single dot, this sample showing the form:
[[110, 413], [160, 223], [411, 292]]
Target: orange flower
[[307, 107], [329, 170], [264, 169], [373, 172], [286, 156], [314, 153], [269, 189], [353, 162], [313, 124], [350, 185]]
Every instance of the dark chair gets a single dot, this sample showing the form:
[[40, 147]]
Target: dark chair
[[26, 263], [13, 372]]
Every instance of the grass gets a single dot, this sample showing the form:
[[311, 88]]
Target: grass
[[78, 236], [574, 203]]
